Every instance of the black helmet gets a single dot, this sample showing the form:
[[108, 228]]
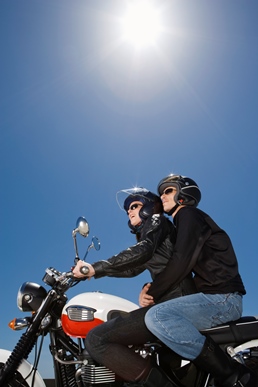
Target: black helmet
[[188, 192], [152, 204]]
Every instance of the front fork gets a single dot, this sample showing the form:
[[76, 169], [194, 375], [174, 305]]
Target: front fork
[[20, 352], [26, 342]]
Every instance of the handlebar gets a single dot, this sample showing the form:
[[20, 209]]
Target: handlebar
[[54, 277], [58, 280], [84, 270]]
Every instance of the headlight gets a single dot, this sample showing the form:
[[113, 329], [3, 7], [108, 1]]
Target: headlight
[[30, 297]]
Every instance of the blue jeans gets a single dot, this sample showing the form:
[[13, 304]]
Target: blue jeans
[[177, 322]]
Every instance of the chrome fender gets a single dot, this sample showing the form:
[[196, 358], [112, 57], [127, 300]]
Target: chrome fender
[[24, 369]]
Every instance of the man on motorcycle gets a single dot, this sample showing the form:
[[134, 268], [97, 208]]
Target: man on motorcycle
[[205, 249], [108, 343]]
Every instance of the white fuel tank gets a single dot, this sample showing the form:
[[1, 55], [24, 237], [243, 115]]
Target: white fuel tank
[[87, 310]]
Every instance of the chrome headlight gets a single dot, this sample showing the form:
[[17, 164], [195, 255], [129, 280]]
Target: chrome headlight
[[30, 297]]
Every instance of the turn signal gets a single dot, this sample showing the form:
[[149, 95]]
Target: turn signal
[[19, 323], [12, 324]]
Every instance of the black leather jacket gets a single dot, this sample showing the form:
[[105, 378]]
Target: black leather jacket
[[152, 252], [203, 248]]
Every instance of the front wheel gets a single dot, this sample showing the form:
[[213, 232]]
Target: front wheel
[[16, 381], [251, 359], [24, 376]]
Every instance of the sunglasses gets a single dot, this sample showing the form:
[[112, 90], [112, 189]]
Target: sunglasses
[[168, 191], [134, 206]]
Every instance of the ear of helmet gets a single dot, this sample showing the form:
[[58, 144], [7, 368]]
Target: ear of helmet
[[151, 207], [184, 199]]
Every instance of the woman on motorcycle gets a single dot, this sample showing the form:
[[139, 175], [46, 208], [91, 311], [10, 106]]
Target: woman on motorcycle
[[108, 343], [205, 249]]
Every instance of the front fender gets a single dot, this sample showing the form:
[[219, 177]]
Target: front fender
[[24, 369]]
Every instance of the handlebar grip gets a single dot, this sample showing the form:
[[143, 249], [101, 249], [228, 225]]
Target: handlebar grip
[[84, 270]]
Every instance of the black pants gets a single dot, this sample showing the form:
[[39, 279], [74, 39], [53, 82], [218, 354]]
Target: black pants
[[108, 344]]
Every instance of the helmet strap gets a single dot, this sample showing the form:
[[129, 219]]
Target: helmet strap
[[173, 209], [135, 229]]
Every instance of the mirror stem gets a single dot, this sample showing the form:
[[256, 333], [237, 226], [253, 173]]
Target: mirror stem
[[75, 246]]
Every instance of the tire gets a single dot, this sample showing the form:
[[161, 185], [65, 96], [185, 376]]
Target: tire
[[252, 361], [16, 381]]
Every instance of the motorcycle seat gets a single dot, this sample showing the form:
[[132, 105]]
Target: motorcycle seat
[[237, 332]]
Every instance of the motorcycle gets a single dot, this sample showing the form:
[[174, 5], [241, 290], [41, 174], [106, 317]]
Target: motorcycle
[[67, 323]]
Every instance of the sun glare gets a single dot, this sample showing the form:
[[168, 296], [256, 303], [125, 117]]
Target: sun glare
[[141, 24]]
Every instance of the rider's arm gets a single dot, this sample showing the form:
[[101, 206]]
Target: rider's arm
[[153, 233], [128, 273]]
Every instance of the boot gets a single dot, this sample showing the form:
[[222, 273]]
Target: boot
[[226, 371], [157, 378]]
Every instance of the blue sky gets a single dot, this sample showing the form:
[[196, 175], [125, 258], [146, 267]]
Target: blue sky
[[84, 113]]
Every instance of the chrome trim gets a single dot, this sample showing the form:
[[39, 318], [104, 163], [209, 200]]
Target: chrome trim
[[80, 313]]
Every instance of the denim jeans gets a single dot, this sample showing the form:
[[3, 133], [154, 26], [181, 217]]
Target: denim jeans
[[177, 322]]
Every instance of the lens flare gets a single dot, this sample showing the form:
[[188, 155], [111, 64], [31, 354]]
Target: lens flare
[[141, 24]]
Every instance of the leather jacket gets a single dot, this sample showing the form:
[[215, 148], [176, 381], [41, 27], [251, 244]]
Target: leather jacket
[[204, 249], [152, 252]]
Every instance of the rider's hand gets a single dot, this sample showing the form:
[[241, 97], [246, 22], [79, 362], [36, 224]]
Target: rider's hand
[[77, 273], [144, 298]]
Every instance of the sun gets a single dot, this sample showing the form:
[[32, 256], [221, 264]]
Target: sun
[[141, 24]]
